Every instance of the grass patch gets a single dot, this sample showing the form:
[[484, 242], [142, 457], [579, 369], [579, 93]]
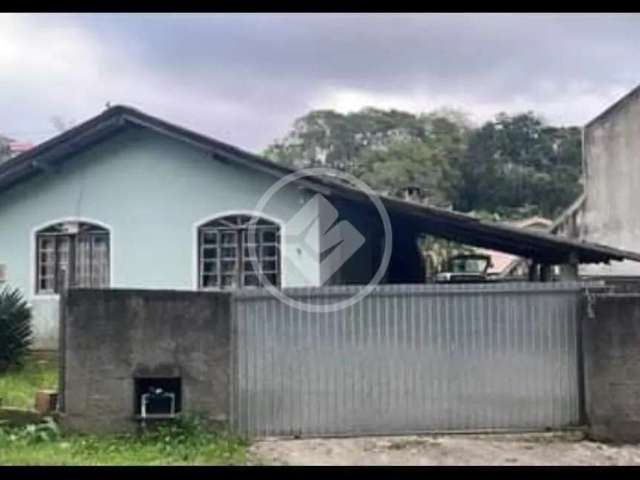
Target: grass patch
[[18, 385], [186, 441], [183, 442]]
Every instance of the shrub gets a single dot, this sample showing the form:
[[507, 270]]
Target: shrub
[[15, 327], [45, 431]]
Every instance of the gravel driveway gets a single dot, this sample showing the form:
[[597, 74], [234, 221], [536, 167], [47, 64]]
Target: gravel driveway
[[512, 449]]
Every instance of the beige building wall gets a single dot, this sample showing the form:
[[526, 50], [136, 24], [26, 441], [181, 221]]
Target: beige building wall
[[611, 163]]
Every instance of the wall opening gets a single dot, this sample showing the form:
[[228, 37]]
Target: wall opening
[[158, 397]]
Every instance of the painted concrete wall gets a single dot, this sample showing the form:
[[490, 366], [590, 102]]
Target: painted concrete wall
[[112, 337], [612, 366], [151, 192], [612, 171]]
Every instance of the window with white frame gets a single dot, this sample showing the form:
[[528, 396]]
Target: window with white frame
[[230, 255], [72, 254]]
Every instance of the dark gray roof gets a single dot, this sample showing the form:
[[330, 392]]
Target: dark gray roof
[[542, 247]]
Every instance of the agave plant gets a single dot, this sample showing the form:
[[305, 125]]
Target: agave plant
[[15, 327]]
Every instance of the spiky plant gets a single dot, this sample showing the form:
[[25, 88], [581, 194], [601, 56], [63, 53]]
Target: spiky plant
[[15, 327]]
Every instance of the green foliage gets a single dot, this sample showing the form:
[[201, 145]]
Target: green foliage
[[405, 164], [511, 167], [46, 431], [331, 139], [15, 328], [517, 164], [187, 441], [18, 384], [182, 440], [437, 251], [180, 436]]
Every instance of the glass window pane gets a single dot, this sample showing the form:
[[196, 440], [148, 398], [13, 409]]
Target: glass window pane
[[229, 238], [251, 252], [79, 258], [269, 265], [83, 261], [46, 284], [228, 266], [269, 236], [209, 253], [210, 267], [229, 281], [100, 262], [209, 281], [235, 242], [210, 238], [46, 264], [62, 259], [47, 243], [229, 252]]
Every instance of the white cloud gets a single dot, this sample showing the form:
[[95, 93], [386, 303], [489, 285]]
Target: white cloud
[[244, 79], [573, 105], [53, 69]]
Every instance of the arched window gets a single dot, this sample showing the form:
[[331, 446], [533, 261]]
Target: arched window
[[225, 257], [72, 254]]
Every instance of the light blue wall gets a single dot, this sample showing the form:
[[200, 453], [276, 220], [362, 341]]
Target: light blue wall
[[151, 191]]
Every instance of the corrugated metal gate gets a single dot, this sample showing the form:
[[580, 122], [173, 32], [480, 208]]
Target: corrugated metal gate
[[407, 359]]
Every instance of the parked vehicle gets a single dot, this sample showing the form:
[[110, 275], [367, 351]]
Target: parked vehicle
[[466, 268]]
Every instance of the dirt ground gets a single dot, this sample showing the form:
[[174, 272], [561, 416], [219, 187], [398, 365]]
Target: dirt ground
[[513, 449]]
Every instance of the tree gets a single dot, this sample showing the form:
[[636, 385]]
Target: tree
[[517, 163], [406, 164], [15, 327], [61, 124], [513, 166], [335, 140]]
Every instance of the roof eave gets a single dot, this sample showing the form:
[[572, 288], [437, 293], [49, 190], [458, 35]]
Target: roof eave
[[449, 224]]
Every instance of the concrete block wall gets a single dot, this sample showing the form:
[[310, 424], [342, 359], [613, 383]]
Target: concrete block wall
[[611, 343], [109, 337]]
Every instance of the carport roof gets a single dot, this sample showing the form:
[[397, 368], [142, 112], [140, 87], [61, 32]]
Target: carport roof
[[542, 247]]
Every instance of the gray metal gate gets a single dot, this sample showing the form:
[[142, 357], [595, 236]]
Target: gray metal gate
[[407, 359]]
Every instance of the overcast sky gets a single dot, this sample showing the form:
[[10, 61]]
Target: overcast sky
[[244, 78]]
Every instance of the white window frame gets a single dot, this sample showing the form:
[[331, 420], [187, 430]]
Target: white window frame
[[34, 252], [229, 213]]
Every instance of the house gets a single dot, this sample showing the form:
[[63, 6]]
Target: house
[[127, 200], [607, 211], [505, 265], [10, 148]]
